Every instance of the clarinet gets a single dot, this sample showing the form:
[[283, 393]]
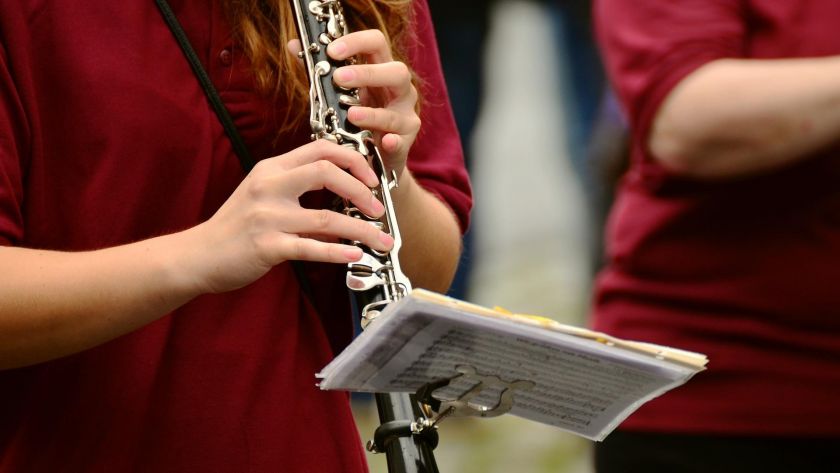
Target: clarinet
[[405, 435]]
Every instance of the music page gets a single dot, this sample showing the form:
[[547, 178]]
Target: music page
[[579, 384]]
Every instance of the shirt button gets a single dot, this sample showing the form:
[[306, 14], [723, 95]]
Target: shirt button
[[226, 57]]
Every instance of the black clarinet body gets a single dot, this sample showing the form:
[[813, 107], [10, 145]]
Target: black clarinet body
[[377, 279]]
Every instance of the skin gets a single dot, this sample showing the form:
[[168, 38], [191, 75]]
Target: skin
[[61, 303], [739, 117]]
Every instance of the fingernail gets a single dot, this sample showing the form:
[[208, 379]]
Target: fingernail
[[344, 74], [386, 239], [378, 208], [337, 47]]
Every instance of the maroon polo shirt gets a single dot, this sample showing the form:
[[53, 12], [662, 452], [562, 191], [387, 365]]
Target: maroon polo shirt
[[106, 138], [744, 270]]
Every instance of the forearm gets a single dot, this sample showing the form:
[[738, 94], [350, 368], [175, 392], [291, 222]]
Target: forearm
[[739, 117], [430, 234], [54, 304]]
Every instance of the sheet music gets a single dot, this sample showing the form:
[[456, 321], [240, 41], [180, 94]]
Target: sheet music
[[580, 385]]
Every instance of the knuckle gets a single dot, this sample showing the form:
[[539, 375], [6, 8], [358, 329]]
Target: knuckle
[[260, 166], [373, 116], [394, 120], [415, 122], [323, 219], [258, 188], [378, 37], [367, 73], [322, 166], [298, 249], [401, 70], [320, 146]]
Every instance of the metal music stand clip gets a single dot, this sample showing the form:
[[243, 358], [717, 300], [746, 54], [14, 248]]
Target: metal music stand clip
[[435, 411]]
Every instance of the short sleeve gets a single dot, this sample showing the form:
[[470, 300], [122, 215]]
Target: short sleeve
[[13, 139], [436, 160], [649, 46]]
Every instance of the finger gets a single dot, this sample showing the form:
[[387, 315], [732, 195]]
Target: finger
[[304, 249], [326, 175], [394, 144], [394, 76], [370, 43], [321, 238], [341, 156], [294, 47], [407, 101], [334, 224], [395, 151], [385, 120]]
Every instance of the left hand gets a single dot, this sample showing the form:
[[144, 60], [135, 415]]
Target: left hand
[[386, 90]]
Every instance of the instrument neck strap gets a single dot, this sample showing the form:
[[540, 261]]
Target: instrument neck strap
[[209, 90]]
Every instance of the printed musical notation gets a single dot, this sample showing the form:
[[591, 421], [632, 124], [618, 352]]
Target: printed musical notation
[[580, 381]]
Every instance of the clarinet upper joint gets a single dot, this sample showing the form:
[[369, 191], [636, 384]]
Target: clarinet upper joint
[[377, 279]]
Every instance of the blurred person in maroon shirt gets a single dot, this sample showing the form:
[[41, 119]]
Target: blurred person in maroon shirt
[[150, 318], [725, 234]]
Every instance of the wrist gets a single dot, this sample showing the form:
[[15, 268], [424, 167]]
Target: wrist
[[406, 191], [177, 260]]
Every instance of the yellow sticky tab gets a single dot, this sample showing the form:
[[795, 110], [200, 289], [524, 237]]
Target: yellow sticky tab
[[538, 319]]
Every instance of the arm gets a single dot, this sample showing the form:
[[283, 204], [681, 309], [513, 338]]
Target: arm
[[431, 237], [735, 117], [55, 304], [61, 303]]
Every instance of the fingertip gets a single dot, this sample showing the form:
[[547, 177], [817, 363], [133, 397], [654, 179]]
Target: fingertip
[[391, 142], [386, 240], [344, 75], [337, 49], [294, 47]]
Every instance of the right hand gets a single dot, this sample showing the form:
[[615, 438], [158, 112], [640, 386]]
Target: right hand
[[263, 224]]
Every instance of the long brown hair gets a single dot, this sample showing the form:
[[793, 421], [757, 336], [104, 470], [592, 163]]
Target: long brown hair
[[264, 27]]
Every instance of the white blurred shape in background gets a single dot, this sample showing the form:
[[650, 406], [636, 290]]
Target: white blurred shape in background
[[530, 250]]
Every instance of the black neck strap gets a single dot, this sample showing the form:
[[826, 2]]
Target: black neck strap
[[212, 95]]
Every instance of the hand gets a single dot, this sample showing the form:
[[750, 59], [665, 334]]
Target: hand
[[386, 91], [263, 224]]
